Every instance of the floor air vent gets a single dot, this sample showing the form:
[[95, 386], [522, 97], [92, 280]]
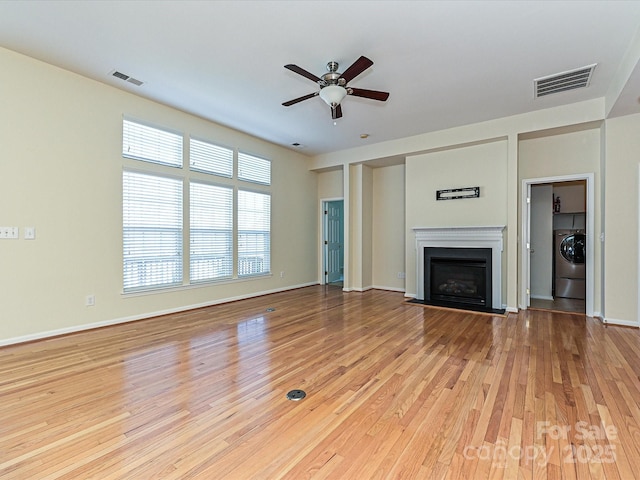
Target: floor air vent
[[126, 78], [561, 82]]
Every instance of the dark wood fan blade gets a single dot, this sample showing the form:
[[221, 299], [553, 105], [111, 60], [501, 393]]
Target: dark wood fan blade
[[372, 94], [300, 99], [303, 72], [356, 69], [336, 112]]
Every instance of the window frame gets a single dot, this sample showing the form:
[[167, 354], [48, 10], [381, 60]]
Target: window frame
[[192, 138], [149, 126], [240, 232], [231, 232], [248, 179], [189, 176], [180, 243]]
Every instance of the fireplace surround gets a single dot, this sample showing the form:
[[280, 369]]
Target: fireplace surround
[[489, 239]]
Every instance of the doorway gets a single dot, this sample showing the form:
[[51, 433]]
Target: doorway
[[557, 247], [333, 242]]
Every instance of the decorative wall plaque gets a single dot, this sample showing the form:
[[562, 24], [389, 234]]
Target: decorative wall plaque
[[456, 193]]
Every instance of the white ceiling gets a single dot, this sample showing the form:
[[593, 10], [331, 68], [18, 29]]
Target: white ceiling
[[445, 63]]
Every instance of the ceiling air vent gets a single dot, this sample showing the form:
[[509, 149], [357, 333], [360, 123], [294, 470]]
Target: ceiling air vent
[[561, 82], [126, 78]]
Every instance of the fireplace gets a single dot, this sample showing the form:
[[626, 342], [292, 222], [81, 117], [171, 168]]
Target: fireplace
[[456, 240], [457, 277]]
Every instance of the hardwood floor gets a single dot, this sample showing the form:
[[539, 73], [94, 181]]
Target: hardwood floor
[[394, 390], [560, 304]]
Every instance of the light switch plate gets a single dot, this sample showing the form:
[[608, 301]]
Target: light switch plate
[[29, 233]]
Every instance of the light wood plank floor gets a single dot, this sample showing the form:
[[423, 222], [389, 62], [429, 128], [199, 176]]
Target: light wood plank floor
[[394, 390]]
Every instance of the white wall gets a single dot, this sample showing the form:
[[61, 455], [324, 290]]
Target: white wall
[[62, 172]]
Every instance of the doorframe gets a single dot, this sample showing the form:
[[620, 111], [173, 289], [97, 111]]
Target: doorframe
[[525, 270], [322, 267]]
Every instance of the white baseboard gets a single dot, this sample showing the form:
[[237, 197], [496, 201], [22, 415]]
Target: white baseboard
[[373, 287], [133, 318], [620, 323], [542, 297], [389, 289], [361, 289]]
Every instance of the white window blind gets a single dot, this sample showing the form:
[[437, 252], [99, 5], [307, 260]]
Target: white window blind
[[254, 169], [254, 233], [152, 231], [209, 158], [150, 144], [211, 253]]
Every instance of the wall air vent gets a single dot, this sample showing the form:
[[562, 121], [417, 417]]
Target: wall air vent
[[561, 82], [126, 78]]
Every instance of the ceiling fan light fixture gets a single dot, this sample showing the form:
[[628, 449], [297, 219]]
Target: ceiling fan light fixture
[[333, 95]]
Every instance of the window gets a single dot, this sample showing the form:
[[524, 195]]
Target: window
[[201, 201], [150, 144], [152, 231], [211, 254], [254, 169], [254, 235], [209, 158]]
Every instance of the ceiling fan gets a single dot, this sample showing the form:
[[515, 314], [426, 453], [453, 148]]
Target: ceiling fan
[[334, 85]]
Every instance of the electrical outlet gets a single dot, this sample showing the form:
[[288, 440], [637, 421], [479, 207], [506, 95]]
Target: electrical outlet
[[281, 274], [9, 232], [401, 275], [90, 300]]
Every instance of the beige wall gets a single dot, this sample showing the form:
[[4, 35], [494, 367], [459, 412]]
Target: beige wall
[[330, 185], [388, 227], [483, 165], [376, 224], [621, 219], [503, 130], [583, 147], [565, 152], [367, 227], [360, 228], [61, 173], [572, 196], [566, 141]]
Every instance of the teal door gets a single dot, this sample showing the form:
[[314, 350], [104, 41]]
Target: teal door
[[334, 241]]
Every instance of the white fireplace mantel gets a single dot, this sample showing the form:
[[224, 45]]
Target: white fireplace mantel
[[462, 237]]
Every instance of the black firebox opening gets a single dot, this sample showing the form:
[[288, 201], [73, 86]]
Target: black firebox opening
[[458, 277]]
